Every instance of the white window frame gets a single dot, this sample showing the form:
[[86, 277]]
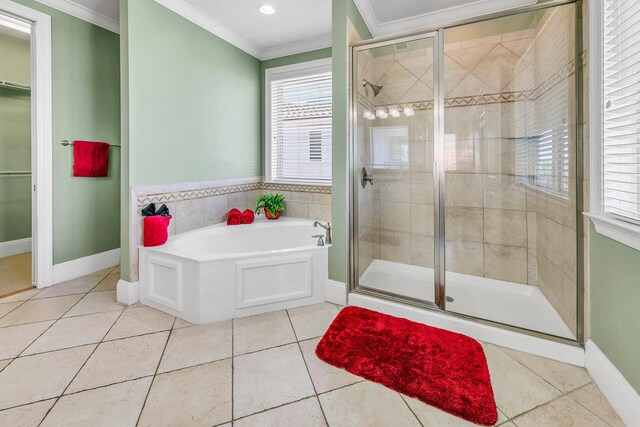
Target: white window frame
[[624, 232], [284, 72]]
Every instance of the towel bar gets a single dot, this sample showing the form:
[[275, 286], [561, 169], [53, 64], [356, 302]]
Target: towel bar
[[66, 143]]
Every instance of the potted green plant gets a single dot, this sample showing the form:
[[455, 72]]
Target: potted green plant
[[273, 205]]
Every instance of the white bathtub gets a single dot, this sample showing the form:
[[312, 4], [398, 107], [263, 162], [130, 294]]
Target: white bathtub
[[223, 272]]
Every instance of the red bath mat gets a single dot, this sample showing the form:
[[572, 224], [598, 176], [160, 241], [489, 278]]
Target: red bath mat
[[441, 368]]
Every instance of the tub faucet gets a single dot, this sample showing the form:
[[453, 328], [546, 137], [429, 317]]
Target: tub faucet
[[320, 241], [327, 227]]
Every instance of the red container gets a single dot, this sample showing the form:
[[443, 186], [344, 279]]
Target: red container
[[155, 230]]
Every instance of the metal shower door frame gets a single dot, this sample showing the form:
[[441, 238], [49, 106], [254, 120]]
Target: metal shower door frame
[[437, 32]]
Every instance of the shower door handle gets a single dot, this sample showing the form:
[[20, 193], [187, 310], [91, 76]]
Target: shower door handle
[[365, 178]]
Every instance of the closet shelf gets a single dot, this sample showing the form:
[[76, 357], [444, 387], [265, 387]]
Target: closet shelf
[[14, 85]]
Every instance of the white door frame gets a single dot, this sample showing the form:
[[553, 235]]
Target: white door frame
[[41, 139]]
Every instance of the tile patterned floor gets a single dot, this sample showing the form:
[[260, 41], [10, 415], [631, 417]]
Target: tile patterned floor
[[72, 356]]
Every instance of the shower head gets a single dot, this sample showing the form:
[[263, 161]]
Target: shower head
[[376, 89]]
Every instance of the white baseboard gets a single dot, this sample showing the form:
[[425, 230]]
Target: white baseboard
[[127, 293], [87, 265], [541, 347], [622, 396], [336, 292], [15, 247]]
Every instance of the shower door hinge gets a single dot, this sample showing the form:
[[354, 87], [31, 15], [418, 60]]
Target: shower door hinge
[[34, 187]]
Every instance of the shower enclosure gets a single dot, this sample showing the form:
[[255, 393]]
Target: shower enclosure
[[466, 176]]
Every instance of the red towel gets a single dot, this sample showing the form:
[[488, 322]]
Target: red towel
[[248, 216], [234, 217], [90, 158], [155, 230]]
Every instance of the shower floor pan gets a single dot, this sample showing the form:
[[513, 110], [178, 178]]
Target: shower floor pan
[[514, 304]]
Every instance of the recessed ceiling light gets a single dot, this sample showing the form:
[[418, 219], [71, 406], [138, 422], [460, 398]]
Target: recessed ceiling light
[[267, 9]]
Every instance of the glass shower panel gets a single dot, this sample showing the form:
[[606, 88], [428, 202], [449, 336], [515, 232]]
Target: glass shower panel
[[510, 170], [393, 138]]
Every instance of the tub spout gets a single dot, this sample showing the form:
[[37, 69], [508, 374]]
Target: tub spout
[[320, 241], [327, 227]]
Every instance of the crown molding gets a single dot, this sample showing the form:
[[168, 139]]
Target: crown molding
[[81, 12], [192, 14], [297, 47], [456, 13]]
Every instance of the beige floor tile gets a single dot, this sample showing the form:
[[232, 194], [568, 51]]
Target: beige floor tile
[[8, 307], [140, 320], [269, 378], [14, 339], [559, 413], [96, 302], [27, 415], [430, 416], [109, 283], [40, 310], [22, 296], [366, 404], [197, 344], [262, 331], [4, 363], [305, 413], [562, 376], [312, 320], [592, 398], [181, 323], [120, 360], [74, 331], [81, 285], [43, 376], [197, 396], [325, 377], [116, 269], [116, 405], [515, 387], [104, 272]]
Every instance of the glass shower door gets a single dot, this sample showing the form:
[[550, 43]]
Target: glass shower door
[[510, 170], [393, 218]]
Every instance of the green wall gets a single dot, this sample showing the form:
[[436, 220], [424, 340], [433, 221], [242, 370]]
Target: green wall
[[343, 11], [86, 105], [15, 140], [194, 101], [615, 299], [193, 104]]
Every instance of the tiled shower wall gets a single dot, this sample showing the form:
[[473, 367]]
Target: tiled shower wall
[[197, 205], [497, 89]]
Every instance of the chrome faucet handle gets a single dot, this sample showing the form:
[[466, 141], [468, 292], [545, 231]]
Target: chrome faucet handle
[[320, 239]]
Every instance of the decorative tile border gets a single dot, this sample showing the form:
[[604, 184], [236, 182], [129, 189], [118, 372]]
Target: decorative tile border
[[176, 196], [296, 188]]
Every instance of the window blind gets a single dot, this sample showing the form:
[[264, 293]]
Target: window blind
[[301, 128], [621, 91]]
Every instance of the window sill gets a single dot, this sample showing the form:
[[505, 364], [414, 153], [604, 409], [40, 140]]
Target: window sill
[[618, 230], [300, 183]]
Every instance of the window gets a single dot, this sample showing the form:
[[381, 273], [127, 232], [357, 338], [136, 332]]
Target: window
[[621, 116], [298, 123], [547, 160], [390, 147]]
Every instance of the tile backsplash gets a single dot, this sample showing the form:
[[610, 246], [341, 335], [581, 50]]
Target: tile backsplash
[[200, 204]]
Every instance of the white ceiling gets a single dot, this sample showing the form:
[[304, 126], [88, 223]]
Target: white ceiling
[[387, 17], [297, 25]]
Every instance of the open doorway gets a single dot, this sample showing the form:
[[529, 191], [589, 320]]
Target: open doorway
[[16, 268], [26, 231]]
